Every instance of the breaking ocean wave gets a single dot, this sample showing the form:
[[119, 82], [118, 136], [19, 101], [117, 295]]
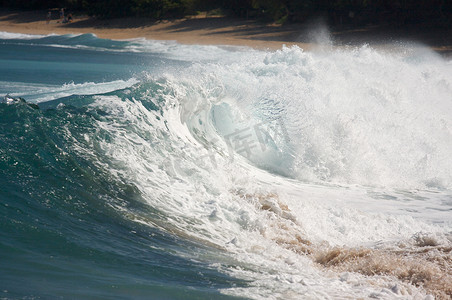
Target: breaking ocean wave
[[201, 171]]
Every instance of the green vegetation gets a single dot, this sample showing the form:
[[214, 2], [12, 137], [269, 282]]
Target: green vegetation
[[352, 12]]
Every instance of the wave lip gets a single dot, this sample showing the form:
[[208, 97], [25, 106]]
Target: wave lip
[[21, 36], [47, 93]]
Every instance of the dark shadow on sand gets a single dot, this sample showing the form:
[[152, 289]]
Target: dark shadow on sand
[[24, 17]]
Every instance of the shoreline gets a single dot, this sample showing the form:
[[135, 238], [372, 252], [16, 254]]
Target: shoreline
[[213, 30], [217, 30]]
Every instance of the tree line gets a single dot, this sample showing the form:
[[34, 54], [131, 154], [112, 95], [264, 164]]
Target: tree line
[[355, 12]]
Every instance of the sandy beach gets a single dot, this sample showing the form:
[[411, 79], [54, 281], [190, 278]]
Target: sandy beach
[[197, 30], [217, 30]]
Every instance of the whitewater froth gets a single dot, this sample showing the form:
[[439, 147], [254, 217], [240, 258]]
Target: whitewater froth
[[353, 116], [347, 122]]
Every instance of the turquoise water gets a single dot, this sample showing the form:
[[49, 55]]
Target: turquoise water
[[61, 235], [153, 170]]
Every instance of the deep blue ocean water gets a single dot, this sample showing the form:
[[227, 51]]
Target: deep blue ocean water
[[153, 170]]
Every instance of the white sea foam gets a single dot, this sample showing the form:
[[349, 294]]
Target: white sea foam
[[41, 92], [367, 153], [353, 116], [20, 36], [201, 204]]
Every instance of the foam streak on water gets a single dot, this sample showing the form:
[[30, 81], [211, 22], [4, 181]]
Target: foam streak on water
[[310, 175]]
